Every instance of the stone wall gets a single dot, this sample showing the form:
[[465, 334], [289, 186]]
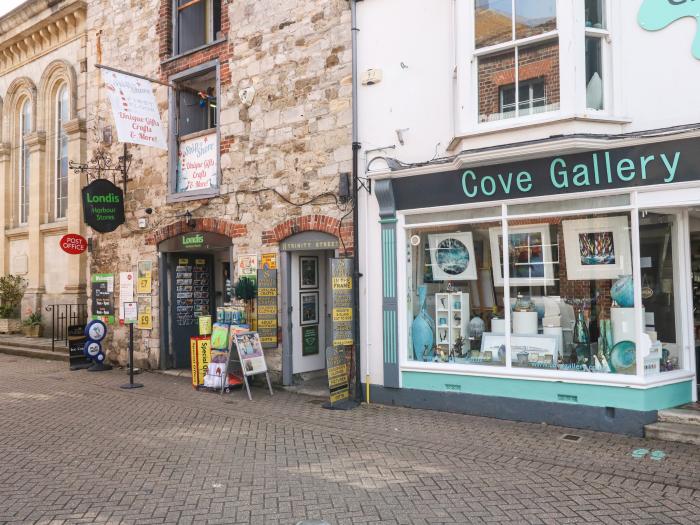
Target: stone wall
[[290, 144]]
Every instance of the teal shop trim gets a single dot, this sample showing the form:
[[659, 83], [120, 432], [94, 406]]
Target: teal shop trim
[[389, 261], [391, 220], [658, 14], [390, 341], [656, 398]]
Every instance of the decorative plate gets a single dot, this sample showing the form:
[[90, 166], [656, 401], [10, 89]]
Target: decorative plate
[[623, 357]]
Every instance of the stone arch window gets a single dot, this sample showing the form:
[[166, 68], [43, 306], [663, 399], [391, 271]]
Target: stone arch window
[[60, 160], [24, 126]]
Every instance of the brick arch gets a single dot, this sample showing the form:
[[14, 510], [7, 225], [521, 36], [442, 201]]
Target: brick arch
[[306, 223], [221, 226]]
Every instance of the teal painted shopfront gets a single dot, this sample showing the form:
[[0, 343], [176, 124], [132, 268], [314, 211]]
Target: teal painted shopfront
[[558, 289]]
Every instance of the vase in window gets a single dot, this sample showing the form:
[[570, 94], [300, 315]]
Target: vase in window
[[594, 92], [422, 329], [582, 339], [622, 291]]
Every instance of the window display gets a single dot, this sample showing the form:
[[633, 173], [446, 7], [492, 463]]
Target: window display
[[567, 282]]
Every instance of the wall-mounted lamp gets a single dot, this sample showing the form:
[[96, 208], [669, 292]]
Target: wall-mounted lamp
[[295, 228], [189, 220]]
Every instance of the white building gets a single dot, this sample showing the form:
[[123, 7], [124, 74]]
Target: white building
[[594, 174]]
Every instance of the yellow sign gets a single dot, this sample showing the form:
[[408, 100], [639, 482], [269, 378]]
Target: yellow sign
[[145, 319], [268, 261], [268, 339], [267, 292], [340, 395], [143, 277], [342, 314], [200, 262], [193, 360], [267, 323], [183, 262], [342, 283], [204, 324], [265, 310]]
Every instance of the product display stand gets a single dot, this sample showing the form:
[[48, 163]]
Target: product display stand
[[131, 383]]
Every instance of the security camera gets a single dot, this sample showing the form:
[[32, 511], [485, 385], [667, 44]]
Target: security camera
[[148, 210]]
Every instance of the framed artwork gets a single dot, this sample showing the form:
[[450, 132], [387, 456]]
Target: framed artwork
[[309, 340], [308, 272], [597, 248], [529, 255], [308, 309], [452, 256], [250, 352], [540, 348]]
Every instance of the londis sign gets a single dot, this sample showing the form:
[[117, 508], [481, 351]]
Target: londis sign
[[103, 206], [660, 164]]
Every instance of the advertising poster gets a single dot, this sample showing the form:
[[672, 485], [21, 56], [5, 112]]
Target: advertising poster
[[134, 109], [247, 266], [197, 163], [200, 356], [267, 308], [268, 261], [342, 312], [145, 320], [143, 283], [250, 352], [103, 297], [126, 291]]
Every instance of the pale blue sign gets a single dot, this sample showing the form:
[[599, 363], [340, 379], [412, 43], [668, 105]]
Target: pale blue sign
[[657, 14]]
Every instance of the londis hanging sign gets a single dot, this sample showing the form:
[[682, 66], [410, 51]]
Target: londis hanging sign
[[103, 206]]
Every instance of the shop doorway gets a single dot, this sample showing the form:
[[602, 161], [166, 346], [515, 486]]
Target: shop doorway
[[306, 316], [195, 270]]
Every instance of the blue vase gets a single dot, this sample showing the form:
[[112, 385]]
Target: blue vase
[[422, 330], [622, 291]]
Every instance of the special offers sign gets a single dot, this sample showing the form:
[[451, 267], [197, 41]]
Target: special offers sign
[[103, 206]]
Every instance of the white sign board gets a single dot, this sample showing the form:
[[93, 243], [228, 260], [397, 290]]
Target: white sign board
[[126, 290], [134, 108], [130, 312], [196, 163]]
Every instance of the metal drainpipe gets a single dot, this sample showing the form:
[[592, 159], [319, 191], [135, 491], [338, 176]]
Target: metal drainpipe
[[355, 215]]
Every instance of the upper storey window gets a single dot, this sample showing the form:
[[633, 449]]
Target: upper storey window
[[517, 50], [197, 23]]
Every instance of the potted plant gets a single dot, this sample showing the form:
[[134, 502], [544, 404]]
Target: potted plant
[[246, 290], [11, 292], [31, 325]]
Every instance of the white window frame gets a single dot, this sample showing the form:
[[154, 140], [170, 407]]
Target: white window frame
[[639, 199], [23, 167], [60, 135], [605, 36]]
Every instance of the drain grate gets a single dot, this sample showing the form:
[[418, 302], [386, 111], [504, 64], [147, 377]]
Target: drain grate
[[571, 437]]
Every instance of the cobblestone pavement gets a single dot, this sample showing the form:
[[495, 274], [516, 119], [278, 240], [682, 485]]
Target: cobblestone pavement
[[74, 448]]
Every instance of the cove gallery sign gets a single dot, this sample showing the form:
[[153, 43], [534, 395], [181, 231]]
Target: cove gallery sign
[[658, 163]]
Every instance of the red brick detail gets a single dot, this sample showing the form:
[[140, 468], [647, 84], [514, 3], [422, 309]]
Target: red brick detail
[[221, 226], [305, 223]]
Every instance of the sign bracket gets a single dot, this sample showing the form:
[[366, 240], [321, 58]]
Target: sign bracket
[[101, 165]]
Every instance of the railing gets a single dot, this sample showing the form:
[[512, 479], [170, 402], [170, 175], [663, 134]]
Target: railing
[[63, 316]]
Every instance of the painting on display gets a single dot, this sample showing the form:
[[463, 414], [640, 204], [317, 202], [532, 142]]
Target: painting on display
[[529, 255], [308, 272], [452, 256], [309, 308], [597, 248]]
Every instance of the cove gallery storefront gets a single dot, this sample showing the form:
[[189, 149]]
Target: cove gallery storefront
[[558, 289]]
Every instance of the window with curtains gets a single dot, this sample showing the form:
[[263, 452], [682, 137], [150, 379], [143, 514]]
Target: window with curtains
[[61, 160], [23, 163]]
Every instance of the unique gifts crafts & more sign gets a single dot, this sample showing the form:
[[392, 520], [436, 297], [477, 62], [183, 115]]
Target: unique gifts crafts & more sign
[[197, 163], [103, 206]]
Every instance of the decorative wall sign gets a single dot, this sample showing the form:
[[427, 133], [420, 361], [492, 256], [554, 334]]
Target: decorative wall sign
[[658, 163], [308, 272], [597, 248], [103, 297], [197, 167], [452, 256], [658, 14], [530, 255], [343, 303], [309, 308], [73, 244], [134, 109], [103, 206], [309, 340], [267, 307]]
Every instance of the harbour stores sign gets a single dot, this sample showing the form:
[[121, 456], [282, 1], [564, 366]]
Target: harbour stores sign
[[642, 165], [103, 206]]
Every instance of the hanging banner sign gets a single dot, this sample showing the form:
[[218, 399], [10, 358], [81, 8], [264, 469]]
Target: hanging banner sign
[[103, 206], [197, 163], [73, 243], [343, 311], [267, 308], [134, 109]]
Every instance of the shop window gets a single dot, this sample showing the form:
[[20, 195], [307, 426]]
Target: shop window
[[196, 133], [197, 23], [511, 68], [60, 185], [597, 36], [452, 297], [23, 163], [564, 282]]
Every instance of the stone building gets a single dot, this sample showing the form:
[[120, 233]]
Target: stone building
[[42, 116], [270, 84]]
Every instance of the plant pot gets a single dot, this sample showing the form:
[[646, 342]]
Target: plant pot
[[32, 330], [10, 326]]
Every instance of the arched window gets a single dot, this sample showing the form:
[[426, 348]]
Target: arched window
[[25, 117], [61, 161]]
